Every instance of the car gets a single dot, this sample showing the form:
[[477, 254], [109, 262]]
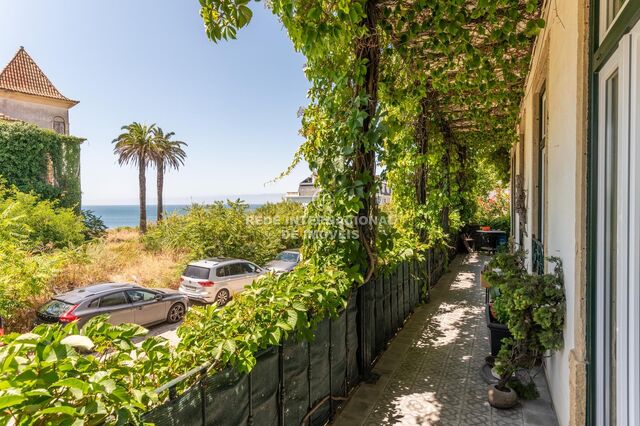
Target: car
[[217, 279], [285, 261], [124, 303]]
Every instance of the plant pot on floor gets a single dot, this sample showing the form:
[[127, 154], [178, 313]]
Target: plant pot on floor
[[497, 331], [503, 398]]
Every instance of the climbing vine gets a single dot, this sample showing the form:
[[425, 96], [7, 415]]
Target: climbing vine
[[42, 161], [412, 92]]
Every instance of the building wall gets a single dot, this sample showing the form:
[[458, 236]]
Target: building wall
[[558, 66], [41, 114]]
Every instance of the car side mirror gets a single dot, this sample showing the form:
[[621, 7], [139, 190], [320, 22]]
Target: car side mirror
[[159, 297]]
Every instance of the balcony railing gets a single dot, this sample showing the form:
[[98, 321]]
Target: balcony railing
[[537, 256]]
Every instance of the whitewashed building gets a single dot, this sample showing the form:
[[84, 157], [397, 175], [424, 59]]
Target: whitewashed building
[[576, 185]]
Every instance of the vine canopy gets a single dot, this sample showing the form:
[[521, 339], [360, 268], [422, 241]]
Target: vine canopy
[[415, 92]]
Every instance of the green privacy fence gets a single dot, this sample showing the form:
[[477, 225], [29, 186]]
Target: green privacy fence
[[303, 382]]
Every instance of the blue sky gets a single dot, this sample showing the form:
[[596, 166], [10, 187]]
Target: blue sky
[[235, 103]]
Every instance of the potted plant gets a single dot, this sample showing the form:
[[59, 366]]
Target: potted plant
[[532, 307]]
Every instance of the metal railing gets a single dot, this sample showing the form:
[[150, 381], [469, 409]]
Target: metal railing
[[301, 382], [537, 256]]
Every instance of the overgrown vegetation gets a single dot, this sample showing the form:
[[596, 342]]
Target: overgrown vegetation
[[229, 230], [29, 153], [58, 374], [421, 90], [36, 240], [532, 307]]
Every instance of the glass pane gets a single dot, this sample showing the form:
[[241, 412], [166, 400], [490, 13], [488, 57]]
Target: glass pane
[[197, 272], [613, 7], [611, 243], [115, 299]]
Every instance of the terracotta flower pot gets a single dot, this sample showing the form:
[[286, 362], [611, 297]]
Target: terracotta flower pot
[[502, 399]]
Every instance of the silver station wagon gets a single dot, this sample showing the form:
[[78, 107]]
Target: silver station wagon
[[217, 279], [123, 303]]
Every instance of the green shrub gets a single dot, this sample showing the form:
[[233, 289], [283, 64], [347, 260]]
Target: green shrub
[[218, 230], [533, 308], [274, 307], [40, 225], [48, 376]]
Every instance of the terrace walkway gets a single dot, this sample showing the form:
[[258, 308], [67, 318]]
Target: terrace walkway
[[429, 375]]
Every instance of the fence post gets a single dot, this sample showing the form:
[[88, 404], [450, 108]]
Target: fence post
[[310, 406], [281, 383], [362, 338], [330, 369], [250, 419]]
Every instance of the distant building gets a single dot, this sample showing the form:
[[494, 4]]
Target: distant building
[[307, 191], [26, 94]]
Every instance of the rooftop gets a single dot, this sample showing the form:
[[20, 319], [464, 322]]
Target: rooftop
[[23, 75]]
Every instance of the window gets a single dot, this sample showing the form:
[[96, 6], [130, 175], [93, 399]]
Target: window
[[55, 308], [140, 296], [196, 272], [248, 268], [236, 269], [59, 125], [542, 150], [288, 256], [94, 303], [612, 9], [114, 299], [222, 271]]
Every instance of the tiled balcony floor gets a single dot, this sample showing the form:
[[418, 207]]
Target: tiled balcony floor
[[430, 374]]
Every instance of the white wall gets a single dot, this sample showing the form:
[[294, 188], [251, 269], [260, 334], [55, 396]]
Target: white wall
[[39, 114], [555, 64]]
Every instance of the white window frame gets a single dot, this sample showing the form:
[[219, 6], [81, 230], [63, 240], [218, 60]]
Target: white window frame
[[628, 225], [603, 28]]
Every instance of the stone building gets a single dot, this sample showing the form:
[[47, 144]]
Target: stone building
[[26, 94]]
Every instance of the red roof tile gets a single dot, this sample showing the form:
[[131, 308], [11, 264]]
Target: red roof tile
[[23, 75]]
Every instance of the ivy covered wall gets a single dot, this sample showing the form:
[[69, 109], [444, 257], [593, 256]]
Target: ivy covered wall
[[30, 156]]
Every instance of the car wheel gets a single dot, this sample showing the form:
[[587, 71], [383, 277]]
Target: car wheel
[[176, 313], [222, 298]]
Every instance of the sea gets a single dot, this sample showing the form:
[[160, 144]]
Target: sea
[[115, 216]]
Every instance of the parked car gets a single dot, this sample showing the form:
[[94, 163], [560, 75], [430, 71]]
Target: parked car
[[217, 279], [124, 303], [285, 261]]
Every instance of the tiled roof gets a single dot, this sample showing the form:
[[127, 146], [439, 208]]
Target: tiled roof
[[23, 75]]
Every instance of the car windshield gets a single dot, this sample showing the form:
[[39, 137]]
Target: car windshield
[[288, 256], [197, 272], [55, 308]]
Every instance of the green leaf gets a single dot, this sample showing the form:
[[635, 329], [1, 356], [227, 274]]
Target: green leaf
[[7, 401]]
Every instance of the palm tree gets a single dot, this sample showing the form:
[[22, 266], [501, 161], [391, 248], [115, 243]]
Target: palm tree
[[136, 146], [167, 153]]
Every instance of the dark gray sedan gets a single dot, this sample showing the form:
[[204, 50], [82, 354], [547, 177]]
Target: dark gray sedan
[[124, 303]]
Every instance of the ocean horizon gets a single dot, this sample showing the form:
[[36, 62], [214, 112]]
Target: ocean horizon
[[116, 215]]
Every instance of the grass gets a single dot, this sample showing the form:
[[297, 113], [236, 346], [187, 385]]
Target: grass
[[120, 256]]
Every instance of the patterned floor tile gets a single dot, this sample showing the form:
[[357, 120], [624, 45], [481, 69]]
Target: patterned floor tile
[[435, 378]]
